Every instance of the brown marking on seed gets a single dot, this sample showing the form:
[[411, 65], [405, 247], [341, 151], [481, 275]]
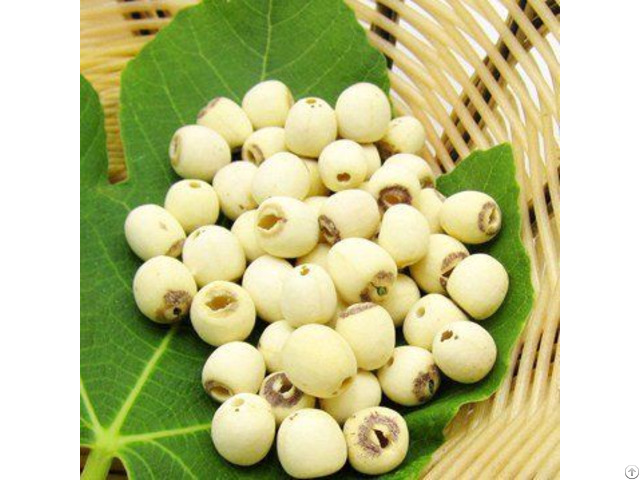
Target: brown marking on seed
[[426, 383], [194, 184], [446, 335], [163, 226], [174, 150], [378, 287], [450, 262], [343, 177], [305, 270], [489, 220], [386, 149], [176, 305], [357, 308], [223, 301], [393, 195], [328, 230], [280, 392], [376, 432], [208, 107], [311, 101], [427, 182], [175, 249]]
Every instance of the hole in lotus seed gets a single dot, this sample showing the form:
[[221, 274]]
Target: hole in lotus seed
[[218, 391], [194, 184], [220, 302], [237, 402], [382, 439], [346, 383], [304, 270], [310, 101], [174, 150], [267, 222], [446, 335], [391, 360], [420, 312], [177, 311], [285, 386], [343, 177]]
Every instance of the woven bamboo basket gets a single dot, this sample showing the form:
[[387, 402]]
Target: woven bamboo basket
[[475, 73]]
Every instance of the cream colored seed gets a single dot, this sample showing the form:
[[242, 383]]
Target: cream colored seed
[[271, 343], [403, 135], [151, 231], [343, 165], [429, 202], [263, 280], [228, 119], [348, 214], [427, 316], [414, 164], [163, 289], [464, 351], [377, 440], [471, 217], [267, 104], [317, 188], [363, 112], [319, 361], [393, 184], [281, 175], [316, 203], [308, 296], [479, 284], [233, 368], [198, 152], [213, 253], [361, 270], [193, 203], [432, 272], [373, 158], [410, 377], [286, 227], [263, 143], [310, 126], [222, 312], [283, 396], [370, 332], [404, 234], [233, 186], [403, 294], [317, 256], [363, 393], [244, 228]]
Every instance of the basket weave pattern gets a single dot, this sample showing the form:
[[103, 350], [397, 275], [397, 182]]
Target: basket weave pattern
[[475, 73]]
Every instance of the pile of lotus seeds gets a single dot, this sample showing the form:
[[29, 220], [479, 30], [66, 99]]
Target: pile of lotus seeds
[[337, 230]]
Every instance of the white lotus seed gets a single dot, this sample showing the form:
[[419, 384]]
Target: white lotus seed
[[281, 175], [361, 270], [151, 230], [233, 186], [271, 343], [377, 440], [263, 280], [236, 367], [213, 253], [267, 104], [404, 233], [310, 444], [363, 393], [429, 202], [262, 144], [193, 203], [163, 289], [308, 296], [479, 284], [404, 135], [243, 429], [402, 295], [410, 377], [464, 351], [316, 203], [319, 361], [311, 125], [363, 112], [222, 312], [415, 164], [317, 188], [283, 396], [427, 316], [348, 214], [317, 256], [228, 119], [198, 152], [369, 331], [432, 272], [392, 184], [286, 227], [244, 228], [471, 217], [373, 158], [343, 165]]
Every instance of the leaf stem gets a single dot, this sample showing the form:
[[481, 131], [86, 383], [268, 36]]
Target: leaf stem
[[98, 464]]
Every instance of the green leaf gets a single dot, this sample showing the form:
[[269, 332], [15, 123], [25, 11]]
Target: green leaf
[[141, 399]]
